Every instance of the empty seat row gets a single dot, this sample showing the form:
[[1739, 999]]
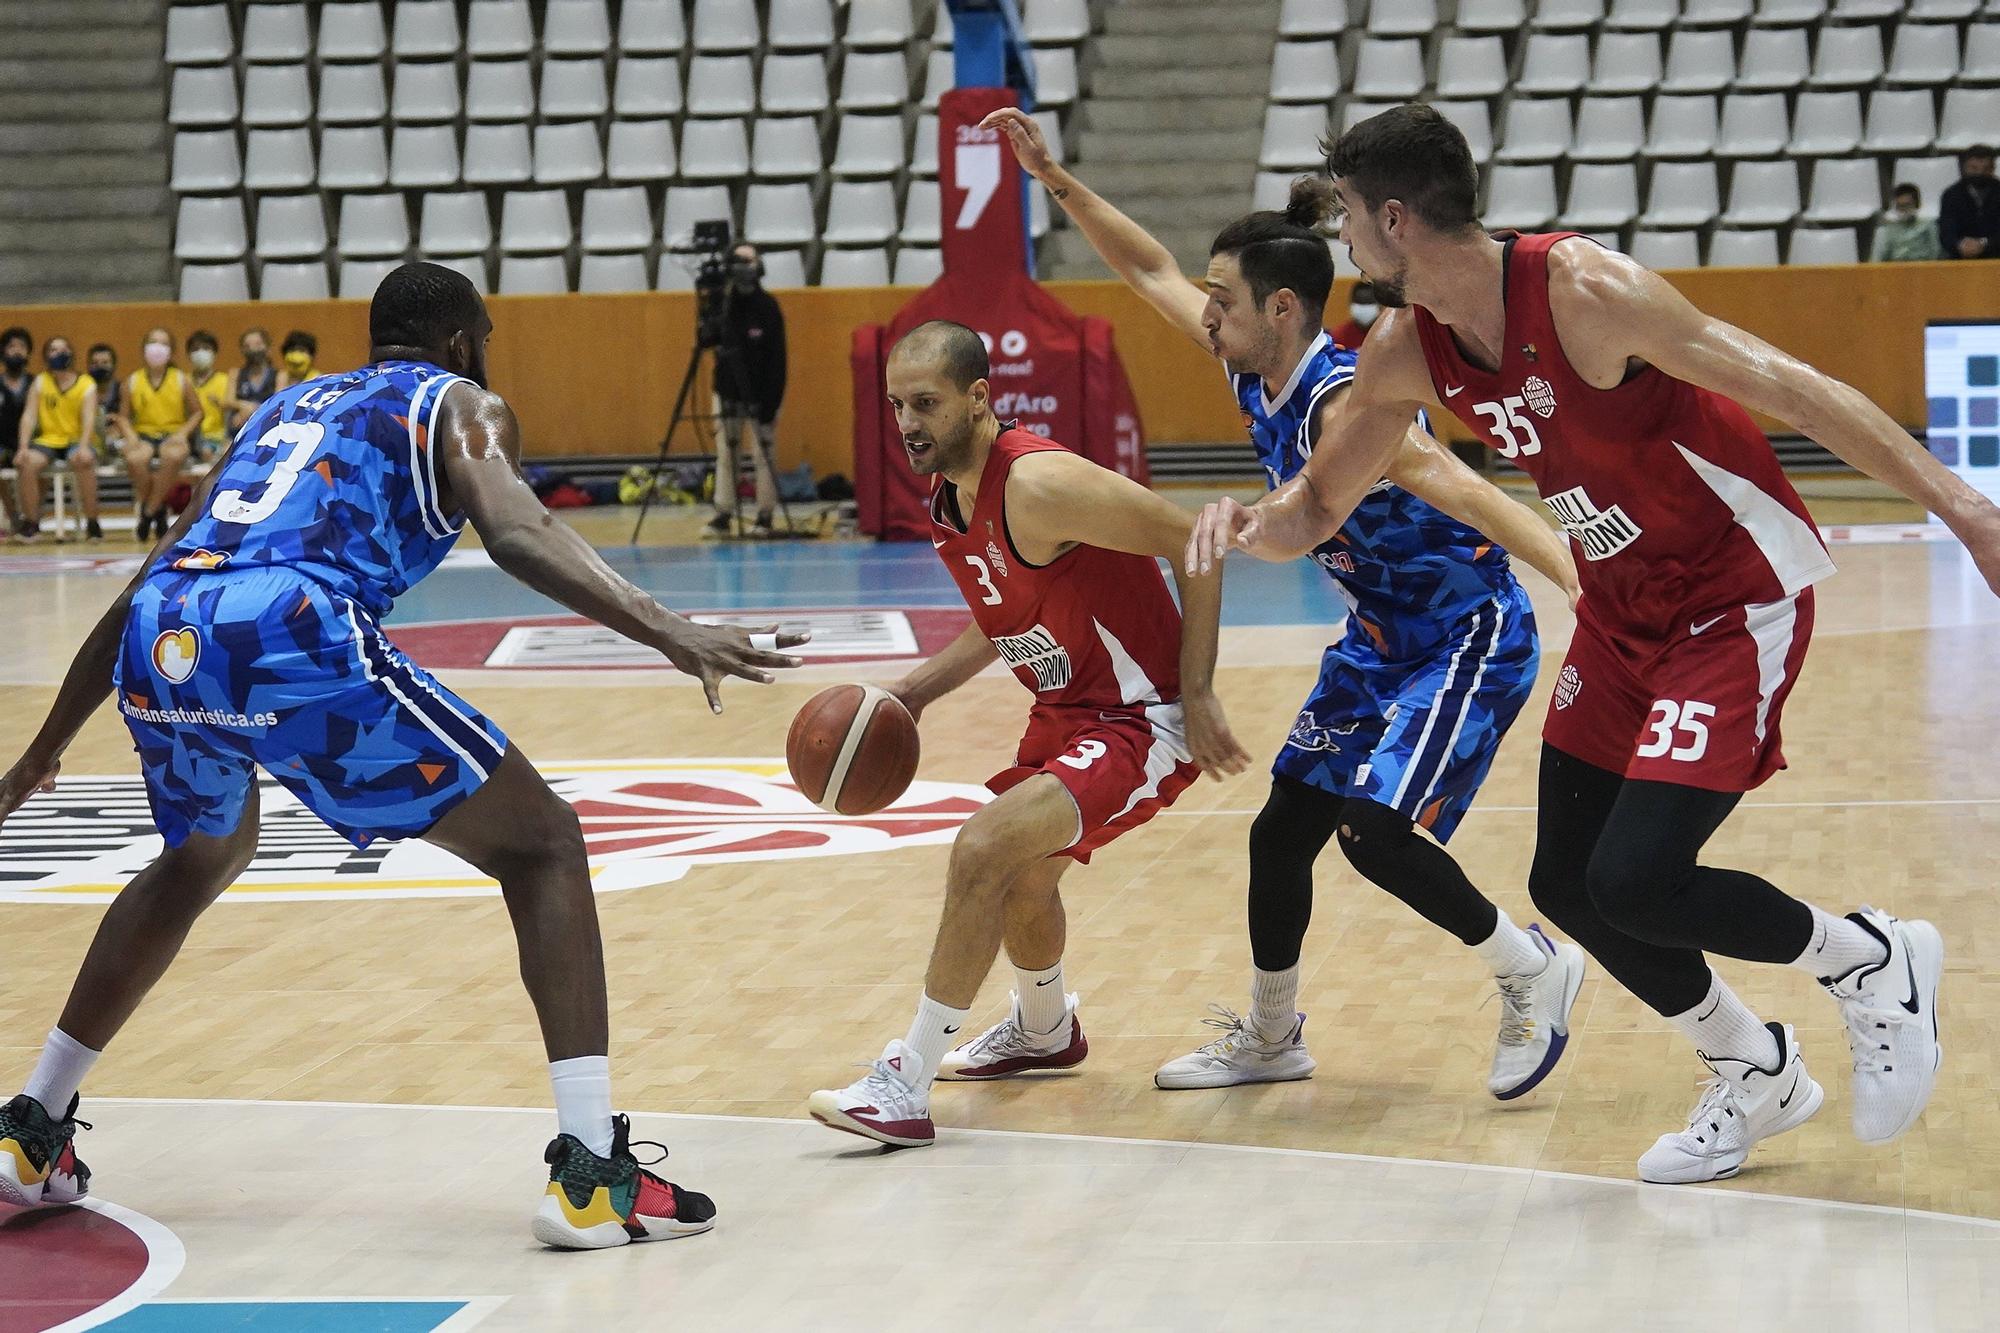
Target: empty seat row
[[502, 90], [1694, 61], [535, 274], [1605, 196], [1737, 249], [349, 30], [532, 221], [1405, 18], [1608, 129]]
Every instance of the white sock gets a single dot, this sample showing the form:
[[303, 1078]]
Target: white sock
[[583, 1100], [60, 1071], [1838, 946], [1722, 1026], [1510, 951], [1039, 992], [935, 1030], [1274, 1002]]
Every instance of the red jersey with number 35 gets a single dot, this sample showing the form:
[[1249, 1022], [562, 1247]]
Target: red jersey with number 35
[[1671, 495], [1091, 629]]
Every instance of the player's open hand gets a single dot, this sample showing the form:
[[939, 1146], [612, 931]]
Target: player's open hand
[[710, 652], [1211, 743], [1223, 526], [1030, 148], [23, 780]]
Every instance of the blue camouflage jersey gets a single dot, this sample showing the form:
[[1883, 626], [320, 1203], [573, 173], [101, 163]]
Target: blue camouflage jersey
[[1410, 574], [336, 479]]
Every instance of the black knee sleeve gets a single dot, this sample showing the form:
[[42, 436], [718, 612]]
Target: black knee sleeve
[[1285, 839], [1389, 852]]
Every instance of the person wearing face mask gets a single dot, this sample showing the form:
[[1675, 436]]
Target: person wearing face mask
[[162, 415], [1362, 308], [1902, 235], [300, 351], [16, 345], [214, 392], [1969, 209], [112, 427], [750, 387], [60, 422], [256, 380]]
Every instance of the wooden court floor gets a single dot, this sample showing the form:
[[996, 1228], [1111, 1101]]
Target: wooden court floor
[[739, 989]]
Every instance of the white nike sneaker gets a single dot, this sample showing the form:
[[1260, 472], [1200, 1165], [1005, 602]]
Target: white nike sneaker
[[1534, 1019], [1009, 1048], [1739, 1107], [881, 1105], [1239, 1055], [1892, 1028]]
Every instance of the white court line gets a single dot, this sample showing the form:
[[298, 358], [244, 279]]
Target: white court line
[[1835, 1205], [165, 1257], [1745, 805]]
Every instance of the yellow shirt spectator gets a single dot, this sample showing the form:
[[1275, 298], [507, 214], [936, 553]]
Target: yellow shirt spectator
[[156, 413], [216, 394], [59, 421]]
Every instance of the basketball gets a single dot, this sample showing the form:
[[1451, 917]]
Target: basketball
[[852, 749]]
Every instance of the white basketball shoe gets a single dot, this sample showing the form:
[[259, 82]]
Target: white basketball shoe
[[881, 1105], [1239, 1055], [1738, 1108], [1892, 1027], [1009, 1048], [1534, 1019]]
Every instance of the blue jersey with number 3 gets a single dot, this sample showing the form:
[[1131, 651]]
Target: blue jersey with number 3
[[334, 478]]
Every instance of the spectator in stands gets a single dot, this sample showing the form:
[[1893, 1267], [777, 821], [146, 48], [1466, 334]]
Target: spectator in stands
[[58, 425], [162, 414], [300, 351], [1900, 234], [16, 346], [1362, 308], [1969, 211], [112, 428], [215, 392], [750, 385], [256, 380]]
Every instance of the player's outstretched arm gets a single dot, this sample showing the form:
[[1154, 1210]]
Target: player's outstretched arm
[[959, 661], [1604, 298], [1432, 472], [1146, 266], [1360, 434], [1056, 501], [480, 443], [88, 682]]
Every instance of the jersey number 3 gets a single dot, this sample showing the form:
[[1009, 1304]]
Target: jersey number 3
[[1506, 417], [984, 574], [299, 440]]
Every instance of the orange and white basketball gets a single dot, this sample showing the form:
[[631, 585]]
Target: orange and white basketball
[[853, 749]]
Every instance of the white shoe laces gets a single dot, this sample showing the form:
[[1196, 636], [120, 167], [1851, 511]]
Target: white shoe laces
[[1708, 1111], [1866, 1032], [1236, 1031], [884, 1084], [1007, 1037], [1517, 1000]]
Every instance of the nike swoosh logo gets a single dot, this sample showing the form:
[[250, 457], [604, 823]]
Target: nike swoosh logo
[[1711, 1010], [1454, 390], [1707, 624], [1050, 982], [1786, 1100], [1911, 1003], [949, 1031]]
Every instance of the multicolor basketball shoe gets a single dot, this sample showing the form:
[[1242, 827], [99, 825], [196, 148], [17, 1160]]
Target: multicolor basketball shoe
[[38, 1161], [595, 1203]]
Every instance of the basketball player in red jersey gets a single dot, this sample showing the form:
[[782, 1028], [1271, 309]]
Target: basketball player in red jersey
[[1058, 559], [1626, 405]]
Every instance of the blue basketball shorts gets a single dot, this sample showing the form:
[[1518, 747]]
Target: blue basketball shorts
[[222, 673], [1419, 736]]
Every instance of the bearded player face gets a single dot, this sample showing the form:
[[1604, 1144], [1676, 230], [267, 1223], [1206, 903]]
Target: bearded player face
[[936, 418]]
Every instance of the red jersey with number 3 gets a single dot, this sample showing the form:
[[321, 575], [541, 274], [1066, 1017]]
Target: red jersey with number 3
[[1671, 495], [1090, 629]]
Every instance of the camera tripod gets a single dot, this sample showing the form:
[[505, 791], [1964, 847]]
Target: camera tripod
[[724, 368]]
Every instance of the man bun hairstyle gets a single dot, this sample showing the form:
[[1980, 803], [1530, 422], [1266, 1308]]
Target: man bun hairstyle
[[1412, 154], [1286, 247]]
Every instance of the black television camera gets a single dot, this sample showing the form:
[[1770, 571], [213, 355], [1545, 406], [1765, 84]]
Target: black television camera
[[714, 274]]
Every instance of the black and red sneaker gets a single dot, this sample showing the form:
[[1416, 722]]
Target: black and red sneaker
[[595, 1203], [38, 1161]]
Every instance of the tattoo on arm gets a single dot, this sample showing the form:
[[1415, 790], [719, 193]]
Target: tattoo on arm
[[1060, 195]]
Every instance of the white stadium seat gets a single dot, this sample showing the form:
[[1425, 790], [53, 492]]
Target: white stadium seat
[[455, 224], [298, 281], [352, 94], [860, 213], [360, 277], [1305, 72], [780, 214], [1609, 129], [1667, 249], [203, 96], [1753, 125], [1773, 58], [275, 34], [499, 90], [1556, 64], [279, 160], [879, 24], [1824, 245], [533, 275], [870, 146], [355, 157], [425, 91], [199, 35], [1626, 62], [787, 147], [498, 28], [1521, 198], [276, 95], [424, 156], [1762, 194], [612, 273], [1536, 130], [714, 150], [647, 86], [1699, 62], [795, 85], [923, 221], [1755, 248], [425, 28], [720, 85], [1318, 18], [1389, 68], [210, 229], [206, 161], [651, 27], [800, 25], [351, 30], [1603, 196], [641, 150], [1826, 124], [573, 89], [474, 267], [1681, 194], [373, 226], [498, 154], [918, 265], [617, 218], [855, 268], [1684, 126], [568, 154], [534, 220], [726, 25], [576, 28], [291, 226]]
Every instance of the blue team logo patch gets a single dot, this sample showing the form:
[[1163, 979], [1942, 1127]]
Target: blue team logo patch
[[1308, 734], [175, 653]]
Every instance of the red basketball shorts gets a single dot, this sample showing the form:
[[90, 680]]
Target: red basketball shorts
[[1699, 708], [1121, 767]]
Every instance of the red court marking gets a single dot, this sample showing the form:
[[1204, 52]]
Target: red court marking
[[59, 1263], [466, 644]]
